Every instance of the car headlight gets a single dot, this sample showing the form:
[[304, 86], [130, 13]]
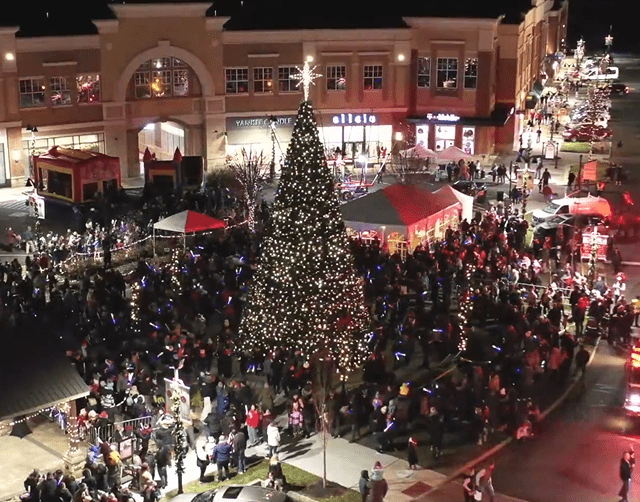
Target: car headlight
[[634, 399]]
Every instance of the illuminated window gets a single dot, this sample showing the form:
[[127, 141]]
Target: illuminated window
[[262, 80], [141, 80], [162, 78], [161, 83], [372, 77], [31, 92], [180, 83], [424, 72], [336, 78], [60, 91], [285, 82], [471, 73], [447, 73], [236, 80], [88, 88]]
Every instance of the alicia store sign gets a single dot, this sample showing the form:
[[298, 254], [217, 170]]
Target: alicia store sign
[[354, 118]]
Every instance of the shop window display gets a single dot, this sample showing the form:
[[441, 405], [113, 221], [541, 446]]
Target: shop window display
[[424, 72], [471, 73], [445, 137], [447, 73], [88, 88]]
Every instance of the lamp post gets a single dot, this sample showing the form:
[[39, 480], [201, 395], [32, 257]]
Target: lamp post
[[33, 130], [272, 129]]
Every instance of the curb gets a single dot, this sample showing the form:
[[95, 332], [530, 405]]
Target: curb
[[505, 442]]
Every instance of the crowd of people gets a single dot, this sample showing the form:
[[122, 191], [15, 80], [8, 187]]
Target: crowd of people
[[126, 333]]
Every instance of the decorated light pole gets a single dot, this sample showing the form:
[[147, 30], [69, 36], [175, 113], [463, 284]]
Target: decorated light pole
[[179, 436], [593, 259], [608, 42]]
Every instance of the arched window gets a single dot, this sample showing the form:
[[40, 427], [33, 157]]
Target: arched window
[[163, 78]]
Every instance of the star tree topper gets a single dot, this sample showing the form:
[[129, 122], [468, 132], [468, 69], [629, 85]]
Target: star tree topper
[[305, 78]]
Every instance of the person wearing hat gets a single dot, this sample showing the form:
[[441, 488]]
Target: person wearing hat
[[379, 485], [222, 456], [204, 449]]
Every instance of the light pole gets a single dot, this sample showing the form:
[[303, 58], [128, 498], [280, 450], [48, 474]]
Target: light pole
[[272, 166]]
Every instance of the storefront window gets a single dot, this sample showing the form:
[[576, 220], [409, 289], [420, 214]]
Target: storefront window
[[88, 88], [445, 137], [88, 142], [469, 139], [422, 135], [447, 73], [424, 72]]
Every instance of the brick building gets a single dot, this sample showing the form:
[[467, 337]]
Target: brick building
[[179, 75]]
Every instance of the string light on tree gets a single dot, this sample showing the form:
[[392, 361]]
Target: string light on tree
[[306, 295], [179, 436], [136, 291], [465, 307]]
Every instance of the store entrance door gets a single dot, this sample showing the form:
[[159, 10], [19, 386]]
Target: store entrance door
[[353, 149]]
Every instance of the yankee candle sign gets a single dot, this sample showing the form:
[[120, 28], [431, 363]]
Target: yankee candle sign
[[259, 122]]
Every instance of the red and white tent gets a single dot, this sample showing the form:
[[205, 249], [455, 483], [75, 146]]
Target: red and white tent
[[420, 152], [187, 222], [453, 153]]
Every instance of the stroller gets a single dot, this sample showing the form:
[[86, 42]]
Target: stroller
[[592, 330]]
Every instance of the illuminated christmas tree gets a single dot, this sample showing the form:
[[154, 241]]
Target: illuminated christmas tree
[[306, 295]]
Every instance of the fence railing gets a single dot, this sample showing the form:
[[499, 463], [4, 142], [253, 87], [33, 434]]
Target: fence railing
[[106, 433]]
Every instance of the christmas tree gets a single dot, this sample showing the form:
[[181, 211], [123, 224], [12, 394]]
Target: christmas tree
[[306, 295]]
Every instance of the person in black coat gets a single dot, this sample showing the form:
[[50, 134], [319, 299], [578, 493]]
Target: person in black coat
[[47, 488], [626, 468], [163, 460], [31, 487], [89, 480]]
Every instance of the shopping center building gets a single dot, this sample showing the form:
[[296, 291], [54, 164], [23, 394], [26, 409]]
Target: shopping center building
[[178, 75]]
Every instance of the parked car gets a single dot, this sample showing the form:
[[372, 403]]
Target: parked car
[[611, 73], [238, 493], [587, 132], [619, 88]]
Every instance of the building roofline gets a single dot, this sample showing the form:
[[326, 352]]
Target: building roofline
[[186, 9]]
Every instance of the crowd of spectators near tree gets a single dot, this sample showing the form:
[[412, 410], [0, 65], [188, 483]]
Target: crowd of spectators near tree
[[512, 343]]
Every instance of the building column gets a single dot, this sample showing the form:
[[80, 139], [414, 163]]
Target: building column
[[17, 169], [115, 139], [215, 141]]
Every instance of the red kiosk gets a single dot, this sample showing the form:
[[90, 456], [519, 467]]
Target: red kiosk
[[75, 176]]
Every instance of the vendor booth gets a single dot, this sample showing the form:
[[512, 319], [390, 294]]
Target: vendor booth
[[186, 222], [75, 176], [452, 195], [402, 217]]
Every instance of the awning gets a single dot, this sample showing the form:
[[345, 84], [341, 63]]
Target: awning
[[35, 373]]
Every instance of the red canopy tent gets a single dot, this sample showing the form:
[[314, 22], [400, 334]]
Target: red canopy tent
[[186, 222], [408, 210]]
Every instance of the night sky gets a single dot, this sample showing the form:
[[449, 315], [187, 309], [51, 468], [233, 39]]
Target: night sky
[[590, 18]]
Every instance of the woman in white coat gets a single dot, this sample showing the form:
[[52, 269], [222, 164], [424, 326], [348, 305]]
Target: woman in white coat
[[273, 438]]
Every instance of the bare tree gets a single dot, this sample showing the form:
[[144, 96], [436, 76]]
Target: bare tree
[[402, 165], [251, 170]]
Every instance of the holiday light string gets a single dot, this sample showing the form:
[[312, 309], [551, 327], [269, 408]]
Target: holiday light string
[[25, 418]]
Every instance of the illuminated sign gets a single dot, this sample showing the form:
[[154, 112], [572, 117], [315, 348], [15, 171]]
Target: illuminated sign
[[357, 118], [443, 117]]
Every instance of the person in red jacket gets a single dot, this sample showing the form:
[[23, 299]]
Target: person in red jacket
[[253, 422]]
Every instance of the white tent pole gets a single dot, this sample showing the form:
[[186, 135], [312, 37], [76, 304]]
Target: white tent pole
[[154, 241]]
